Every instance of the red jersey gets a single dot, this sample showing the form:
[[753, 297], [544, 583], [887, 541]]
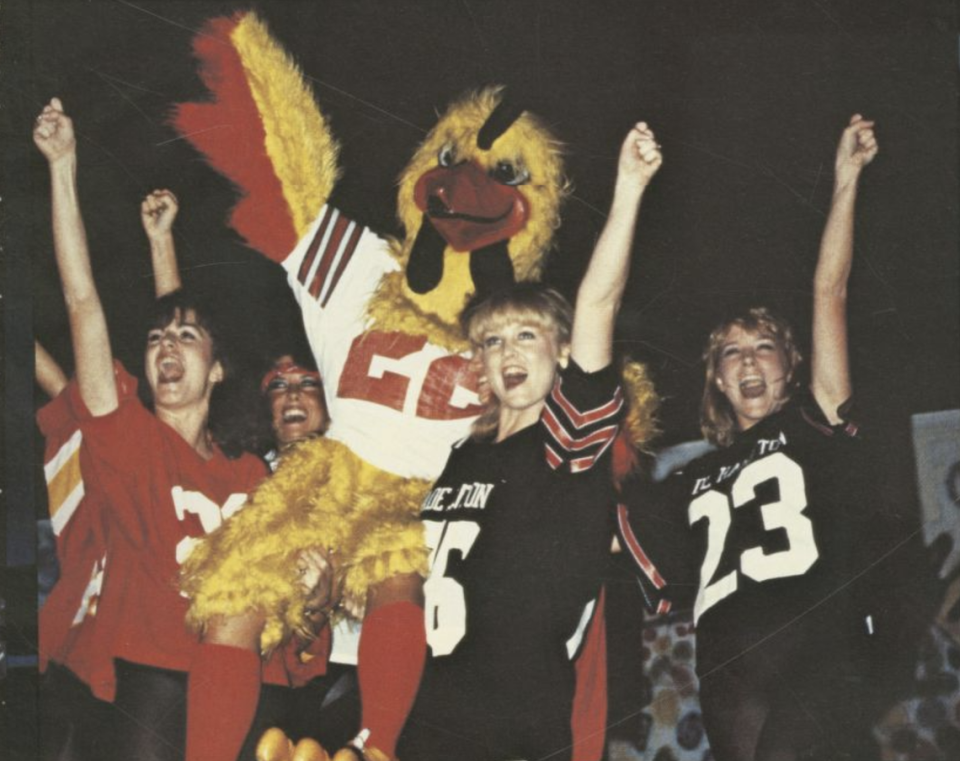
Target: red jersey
[[66, 618], [154, 496]]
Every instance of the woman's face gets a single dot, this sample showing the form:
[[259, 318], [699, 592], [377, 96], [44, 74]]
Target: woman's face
[[297, 406], [752, 374], [179, 364], [520, 359]]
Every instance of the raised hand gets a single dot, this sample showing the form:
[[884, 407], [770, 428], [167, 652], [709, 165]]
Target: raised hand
[[640, 156], [157, 212], [858, 147], [53, 133]]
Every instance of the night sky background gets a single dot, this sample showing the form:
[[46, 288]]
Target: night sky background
[[747, 98]]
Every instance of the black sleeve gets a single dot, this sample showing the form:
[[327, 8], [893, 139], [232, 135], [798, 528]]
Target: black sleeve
[[653, 530], [581, 417]]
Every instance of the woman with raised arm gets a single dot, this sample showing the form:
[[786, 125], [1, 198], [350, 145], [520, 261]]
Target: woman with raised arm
[[158, 478], [519, 523], [768, 529], [67, 619]]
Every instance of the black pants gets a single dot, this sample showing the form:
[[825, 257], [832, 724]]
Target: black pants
[[807, 693]]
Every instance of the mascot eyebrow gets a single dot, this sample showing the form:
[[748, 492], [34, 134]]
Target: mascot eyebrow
[[499, 121], [490, 266]]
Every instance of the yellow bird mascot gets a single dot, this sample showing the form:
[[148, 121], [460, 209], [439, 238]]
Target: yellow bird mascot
[[479, 203]]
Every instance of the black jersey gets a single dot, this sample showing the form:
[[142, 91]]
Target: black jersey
[[760, 536], [519, 532]]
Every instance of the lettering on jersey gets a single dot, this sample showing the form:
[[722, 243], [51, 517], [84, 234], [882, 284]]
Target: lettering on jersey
[[472, 496], [762, 448], [767, 446], [390, 369], [211, 514]]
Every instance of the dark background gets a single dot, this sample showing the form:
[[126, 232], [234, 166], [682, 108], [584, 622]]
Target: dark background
[[747, 98]]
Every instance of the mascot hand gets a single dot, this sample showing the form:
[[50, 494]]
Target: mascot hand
[[318, 573]]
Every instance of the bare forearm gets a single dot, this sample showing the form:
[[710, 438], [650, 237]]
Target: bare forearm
[[836, 246], [50, 377], [163, 257], [88, 327], [605, 279]]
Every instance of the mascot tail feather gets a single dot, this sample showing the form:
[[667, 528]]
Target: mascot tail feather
[[262, 130], [639, 426]]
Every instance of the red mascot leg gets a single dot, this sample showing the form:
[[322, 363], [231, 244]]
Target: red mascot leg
[[222, 696], [393, 648]]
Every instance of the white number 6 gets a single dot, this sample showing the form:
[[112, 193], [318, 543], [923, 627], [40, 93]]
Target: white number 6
[[444, 605]]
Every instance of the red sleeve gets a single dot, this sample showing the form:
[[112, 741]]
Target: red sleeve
[[115, 439], [62, 470]]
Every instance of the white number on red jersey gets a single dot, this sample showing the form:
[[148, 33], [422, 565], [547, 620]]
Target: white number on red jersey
[[211, 514]]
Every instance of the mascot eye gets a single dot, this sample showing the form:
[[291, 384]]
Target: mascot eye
[[507, 174], [446, 157]]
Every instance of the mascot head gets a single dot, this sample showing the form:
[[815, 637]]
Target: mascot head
[[479, 201]]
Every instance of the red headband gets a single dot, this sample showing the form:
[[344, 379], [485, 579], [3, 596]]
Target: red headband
[[287, 367]]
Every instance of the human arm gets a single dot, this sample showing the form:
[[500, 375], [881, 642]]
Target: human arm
[[830, 366], [157, 213], [600, 293], [49, 375], [54, 137]]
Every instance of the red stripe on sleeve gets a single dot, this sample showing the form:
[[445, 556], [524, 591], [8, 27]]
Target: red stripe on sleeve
[[646, 565], [581, 419], [329, 254], [553, 459], [571, 444], [347, 254], [314, 246]]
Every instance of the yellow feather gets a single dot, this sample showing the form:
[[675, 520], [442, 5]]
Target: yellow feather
[[298, 140], [324, 496]]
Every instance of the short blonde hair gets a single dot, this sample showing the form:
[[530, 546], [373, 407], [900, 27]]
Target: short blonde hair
[[717, 420], [527, 302]]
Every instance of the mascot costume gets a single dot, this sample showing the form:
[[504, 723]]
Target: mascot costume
[[479, 203]]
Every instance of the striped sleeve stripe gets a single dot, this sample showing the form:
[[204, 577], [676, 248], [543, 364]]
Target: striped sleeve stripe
[[345, 256], [646, 565], [585, 463], [62, 512], [308, 260], [64, 482], [331, 251], [572, 444], [581, 419], [67, 450], [664, 607], [553, 459]]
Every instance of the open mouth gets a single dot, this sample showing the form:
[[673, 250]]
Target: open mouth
[[294, 416], [513, 378], [437, 210], [752, 387], [169, 370]]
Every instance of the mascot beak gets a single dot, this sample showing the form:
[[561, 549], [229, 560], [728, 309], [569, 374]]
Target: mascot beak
[[469, 208]]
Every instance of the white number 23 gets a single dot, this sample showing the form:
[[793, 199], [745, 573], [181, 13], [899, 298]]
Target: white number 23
[[785, 513]]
